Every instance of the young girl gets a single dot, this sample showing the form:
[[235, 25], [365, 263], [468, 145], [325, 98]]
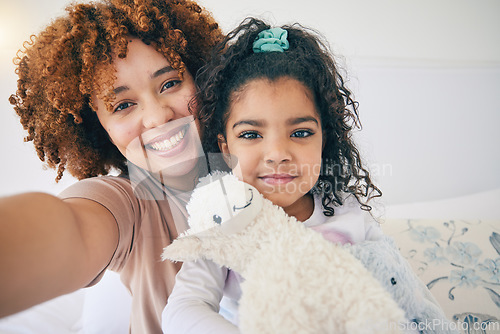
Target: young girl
[[275, 105], [106, 88]]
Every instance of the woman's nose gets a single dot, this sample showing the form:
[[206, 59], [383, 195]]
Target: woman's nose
[[277, 151], [156, 114]]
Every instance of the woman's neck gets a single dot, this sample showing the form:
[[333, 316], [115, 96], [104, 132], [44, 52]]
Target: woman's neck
[[185, 182]]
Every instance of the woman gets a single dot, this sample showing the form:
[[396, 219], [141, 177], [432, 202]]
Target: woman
[[107, 88]]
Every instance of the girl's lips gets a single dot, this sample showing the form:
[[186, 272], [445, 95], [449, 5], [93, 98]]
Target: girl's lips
[[276, 179]]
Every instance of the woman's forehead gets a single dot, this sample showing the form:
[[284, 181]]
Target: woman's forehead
[[140, 59]]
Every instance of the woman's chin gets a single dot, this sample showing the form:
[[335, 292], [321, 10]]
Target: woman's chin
[[177, 170]]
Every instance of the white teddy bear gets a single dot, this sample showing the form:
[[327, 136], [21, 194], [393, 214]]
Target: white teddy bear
[[295, 280]]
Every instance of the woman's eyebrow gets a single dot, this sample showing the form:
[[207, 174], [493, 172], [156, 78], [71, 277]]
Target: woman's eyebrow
[[156, 74], [161, 71], [120, 89]]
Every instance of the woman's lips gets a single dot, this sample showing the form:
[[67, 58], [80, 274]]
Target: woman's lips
[[168, 143], [276, 179]]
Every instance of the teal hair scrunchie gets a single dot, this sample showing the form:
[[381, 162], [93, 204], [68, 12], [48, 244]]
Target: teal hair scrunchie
[[271, 40]]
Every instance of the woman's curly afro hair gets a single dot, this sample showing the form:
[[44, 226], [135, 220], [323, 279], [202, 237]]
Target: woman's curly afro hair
[[309, 61], [57, 71]]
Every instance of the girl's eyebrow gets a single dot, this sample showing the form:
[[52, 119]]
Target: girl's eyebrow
[[248, 122], [298, 120], [291, 121]]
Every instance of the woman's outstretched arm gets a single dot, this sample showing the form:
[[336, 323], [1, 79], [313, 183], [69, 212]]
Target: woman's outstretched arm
[[49, 247]]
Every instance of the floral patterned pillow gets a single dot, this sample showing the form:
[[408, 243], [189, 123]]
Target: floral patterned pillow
[[460, 263]]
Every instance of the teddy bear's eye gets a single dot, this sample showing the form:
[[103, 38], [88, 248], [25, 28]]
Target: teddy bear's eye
[[393, 281], [217, 219]]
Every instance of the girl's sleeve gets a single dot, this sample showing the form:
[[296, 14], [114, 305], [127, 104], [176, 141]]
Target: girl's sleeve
[[193, 305]]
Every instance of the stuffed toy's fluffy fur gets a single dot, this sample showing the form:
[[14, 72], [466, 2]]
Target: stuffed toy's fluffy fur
[[295, 280]]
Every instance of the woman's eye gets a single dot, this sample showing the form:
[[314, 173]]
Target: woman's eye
[[122, 106], [249, 135], [302, 133], [170, 84]]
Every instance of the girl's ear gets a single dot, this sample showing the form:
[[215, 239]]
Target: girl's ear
[[224, 149], [222, 143]]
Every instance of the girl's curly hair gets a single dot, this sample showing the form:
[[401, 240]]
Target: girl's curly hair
[[58, 69], [309, 61]]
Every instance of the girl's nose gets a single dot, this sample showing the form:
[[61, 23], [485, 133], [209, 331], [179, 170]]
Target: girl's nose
[[276, 152], [155, 114]]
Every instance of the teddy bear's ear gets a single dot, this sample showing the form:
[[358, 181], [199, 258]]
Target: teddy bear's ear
[[186, 247]]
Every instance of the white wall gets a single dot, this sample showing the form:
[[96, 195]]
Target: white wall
[[426, 74]]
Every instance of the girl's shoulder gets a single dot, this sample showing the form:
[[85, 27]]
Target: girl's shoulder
[[349, 219], [349, 205]]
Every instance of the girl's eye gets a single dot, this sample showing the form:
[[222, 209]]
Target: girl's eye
[[123, 106], [249, 135], [170, 84], [302, 133]]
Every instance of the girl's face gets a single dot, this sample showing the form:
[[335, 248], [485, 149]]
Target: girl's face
[[150, 122], [274, 134]]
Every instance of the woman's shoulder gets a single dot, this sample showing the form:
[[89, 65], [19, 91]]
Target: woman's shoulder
[[109, 185], [100, 186], [115, 193]]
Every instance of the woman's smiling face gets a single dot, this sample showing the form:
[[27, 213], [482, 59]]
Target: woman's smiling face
[[150, 122]]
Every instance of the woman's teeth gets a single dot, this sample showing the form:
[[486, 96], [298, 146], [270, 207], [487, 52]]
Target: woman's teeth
[[169, 143]]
